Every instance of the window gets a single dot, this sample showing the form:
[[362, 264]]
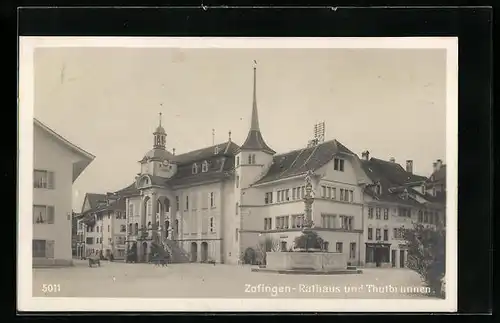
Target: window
[[108, 227], [131, 210], [187, 202], [204, 167], [43, 214], [39, 248], [282, 222], [420, 216], [338, 164], [136, 228], [377, 213], [346, 222], [89, 240], [216, 150], [339, 246], [323, 192], [386, 234], [370, 234], [177, 202], [370, 213], [297, 220], [268, 199], [43, 179], [426, 217], [249, 159], [253, 158], [287, 195], [329, 192], [237, 181], [328, 220], [303, 191], [351, 196], [123, 228], [283, 246], [326, 246], [352, 250], [294, 193], [97, 229], [398, 233], [386, 214], [378, 236], [378, 189], [238, 161], [212, 199], [268, 223], [341, 194], [212, 225], [237, 208], [195, 168]]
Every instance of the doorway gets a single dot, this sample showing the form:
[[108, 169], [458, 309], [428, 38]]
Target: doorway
[[401, 258], [194, 251], [393, 258], [204, 252]]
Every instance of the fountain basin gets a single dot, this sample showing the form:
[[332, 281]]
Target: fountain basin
[[307, 263]]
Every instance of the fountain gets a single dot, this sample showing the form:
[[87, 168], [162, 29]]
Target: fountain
[[307, 260]]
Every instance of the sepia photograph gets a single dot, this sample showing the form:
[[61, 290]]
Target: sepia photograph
[[230, 174]]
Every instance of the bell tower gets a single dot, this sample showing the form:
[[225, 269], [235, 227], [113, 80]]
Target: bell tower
[[160, 136], [254, 156]]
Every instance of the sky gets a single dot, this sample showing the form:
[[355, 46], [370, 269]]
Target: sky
[[106, 101]]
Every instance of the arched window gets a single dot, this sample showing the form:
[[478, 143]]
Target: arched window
[[130, 229], [237, 207], [195, 168], [176, 226], [379, 189], [204, 167], [253, 158], [249, 159], [136, 229]]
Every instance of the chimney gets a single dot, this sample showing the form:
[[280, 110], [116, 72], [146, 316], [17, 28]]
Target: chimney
[[392, 160], [409, 166], [439, 163], [434, 167], [365, 155]]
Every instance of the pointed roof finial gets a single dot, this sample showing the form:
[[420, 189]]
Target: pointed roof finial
[[160, 118], [255, 116], [213, 136], [229, 135], [173, 151]]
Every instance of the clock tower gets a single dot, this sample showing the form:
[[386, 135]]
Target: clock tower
[[159, 161]]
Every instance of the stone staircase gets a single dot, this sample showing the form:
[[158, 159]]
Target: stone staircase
[[178, 255]]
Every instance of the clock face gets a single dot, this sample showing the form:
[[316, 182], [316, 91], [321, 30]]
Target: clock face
[[165, 163]]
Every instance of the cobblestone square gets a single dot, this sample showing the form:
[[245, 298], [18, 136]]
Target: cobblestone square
[[114, 280]]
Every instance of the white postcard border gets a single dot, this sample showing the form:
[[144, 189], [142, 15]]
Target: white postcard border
[[26, 302]]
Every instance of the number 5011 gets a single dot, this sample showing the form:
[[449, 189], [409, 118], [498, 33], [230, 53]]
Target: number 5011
[[51, 288]]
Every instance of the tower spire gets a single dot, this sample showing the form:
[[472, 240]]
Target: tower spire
[[254, 139], [160, 118], [255, 115]]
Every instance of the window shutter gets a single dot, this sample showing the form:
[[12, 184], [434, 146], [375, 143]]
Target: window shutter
[[49, 249], [50, 214], [51, 180]]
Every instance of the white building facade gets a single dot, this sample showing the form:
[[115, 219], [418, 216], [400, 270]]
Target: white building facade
[[57, 164]]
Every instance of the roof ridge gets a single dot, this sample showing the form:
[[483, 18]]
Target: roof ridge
[[203, 148]]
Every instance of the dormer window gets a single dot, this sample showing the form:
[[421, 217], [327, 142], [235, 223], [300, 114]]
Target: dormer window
[[216, 150], [195, 169], [378, 189], [423, 189], [204, 167]]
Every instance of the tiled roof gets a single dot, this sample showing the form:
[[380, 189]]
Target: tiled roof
[[255, 141], [438, 176], [127, 191], [299, 161], [159, 154], [227, 148], [95, 198], [218, 168], [393, 179]]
